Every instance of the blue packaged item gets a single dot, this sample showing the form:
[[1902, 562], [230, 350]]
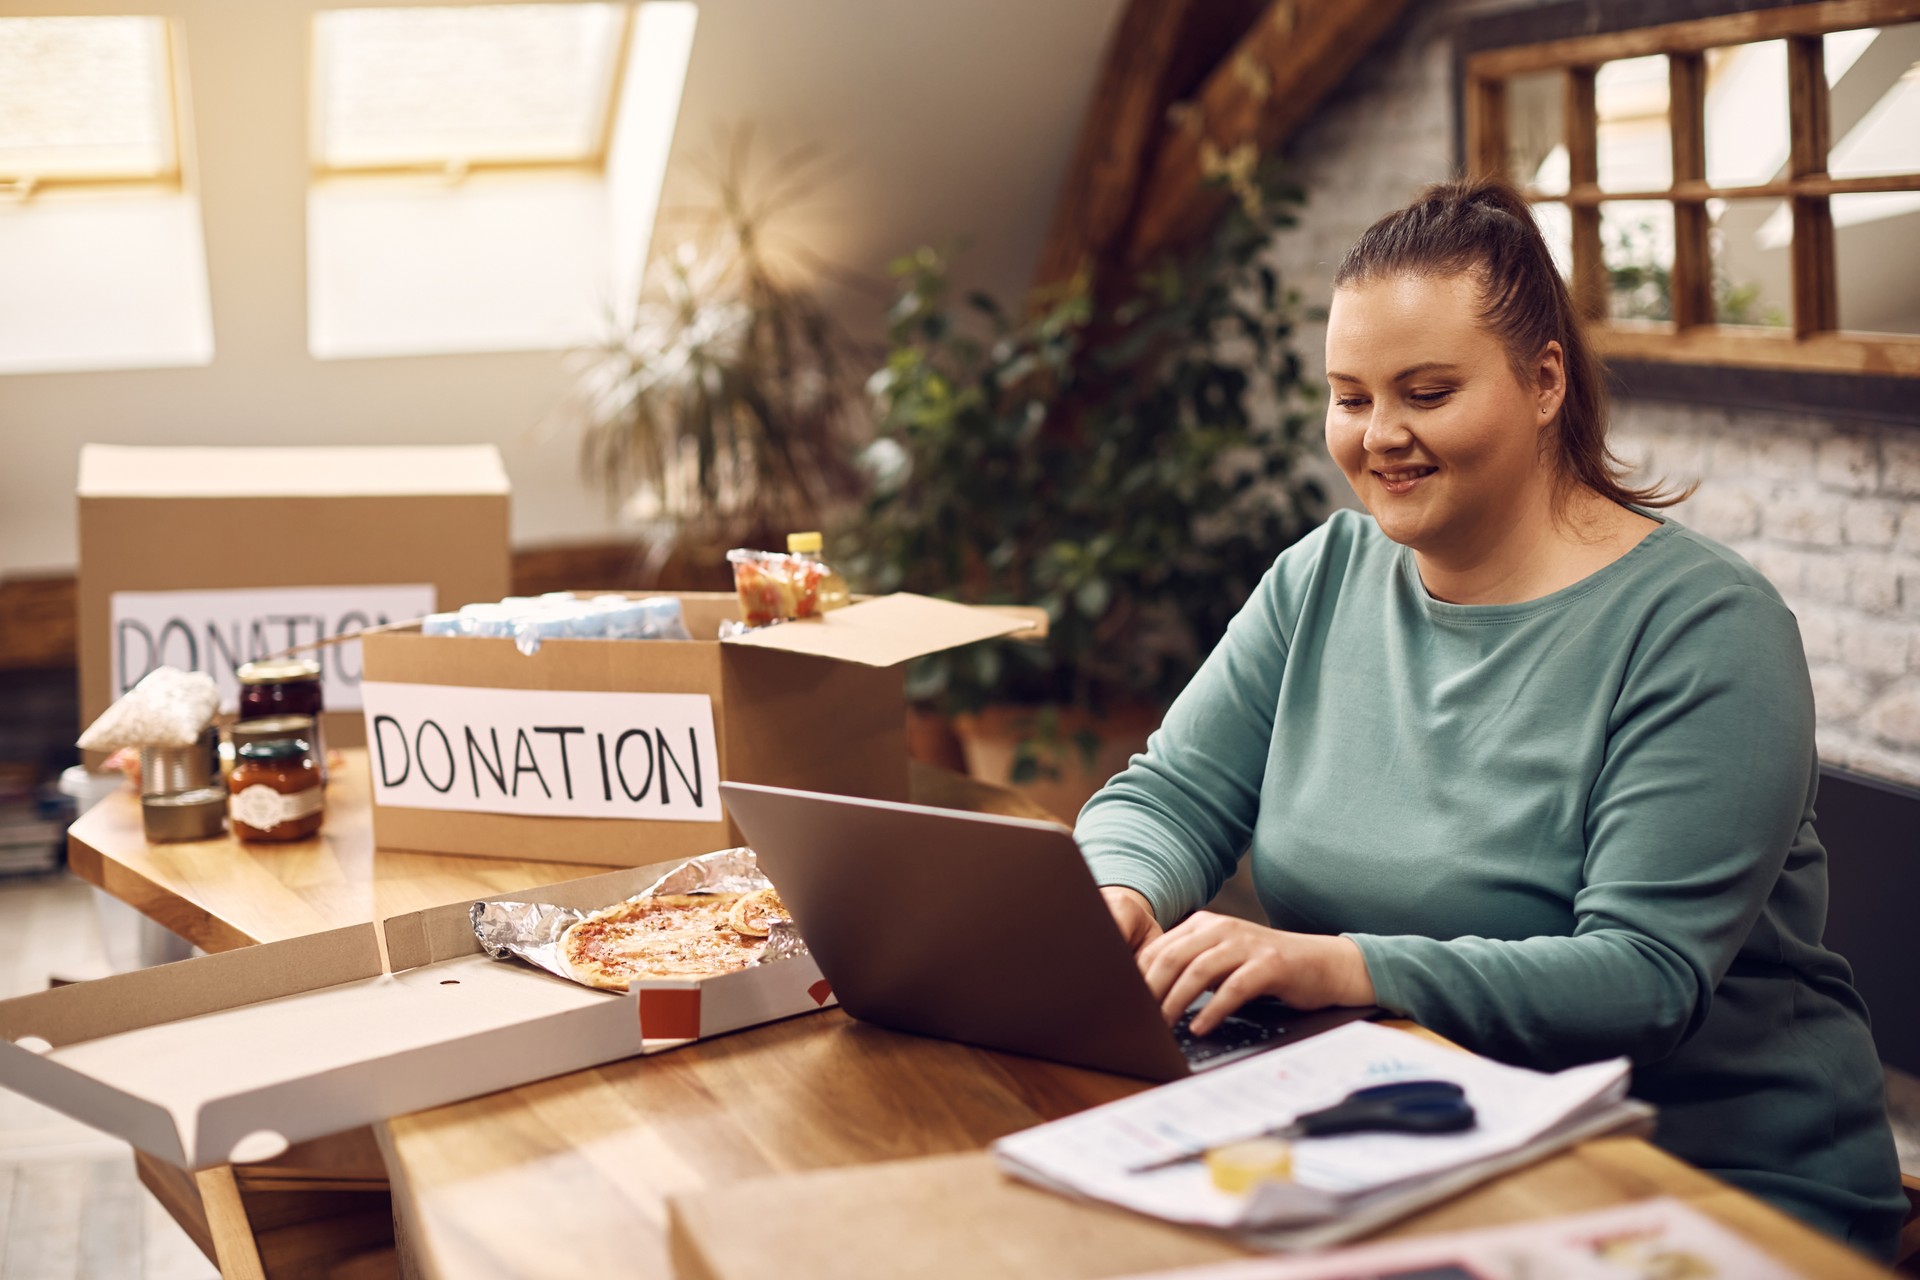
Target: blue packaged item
[[486, 620], [654, 618], [440, 624]]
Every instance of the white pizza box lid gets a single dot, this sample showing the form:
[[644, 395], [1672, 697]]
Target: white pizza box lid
[[231, 1058]]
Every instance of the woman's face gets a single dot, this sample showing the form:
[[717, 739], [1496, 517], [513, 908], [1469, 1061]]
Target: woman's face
[[1435, 433]]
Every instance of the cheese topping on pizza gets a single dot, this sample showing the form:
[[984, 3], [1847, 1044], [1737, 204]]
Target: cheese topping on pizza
[[662, 936], [755, 913]]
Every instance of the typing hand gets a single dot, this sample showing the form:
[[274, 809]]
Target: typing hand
[[1132, 915], [1238, 960]]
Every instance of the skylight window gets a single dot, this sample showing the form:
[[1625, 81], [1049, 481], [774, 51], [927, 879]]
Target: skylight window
[[85, 100], [465, 87]]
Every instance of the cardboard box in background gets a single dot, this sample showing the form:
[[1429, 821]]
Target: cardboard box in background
[[612, 751], [208, 557], [233, 1056]]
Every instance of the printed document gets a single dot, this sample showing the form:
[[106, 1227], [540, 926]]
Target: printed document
[[1091, 1154]]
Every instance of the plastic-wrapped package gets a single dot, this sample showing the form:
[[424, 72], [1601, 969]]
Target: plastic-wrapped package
[[610, 617], [530, 621], [654, 618], [486, 620], [777, 586]]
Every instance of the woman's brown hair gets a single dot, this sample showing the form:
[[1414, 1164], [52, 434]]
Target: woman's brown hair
[[1483, 227]]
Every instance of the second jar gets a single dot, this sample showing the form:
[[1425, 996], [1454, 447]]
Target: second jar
[[276, 790]]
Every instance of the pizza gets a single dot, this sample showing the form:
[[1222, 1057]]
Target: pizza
[[755, 913], [671, 912], [658, 936]]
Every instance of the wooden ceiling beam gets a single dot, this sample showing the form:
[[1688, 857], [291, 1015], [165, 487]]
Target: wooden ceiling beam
[[1160, 51], [1264, 90]]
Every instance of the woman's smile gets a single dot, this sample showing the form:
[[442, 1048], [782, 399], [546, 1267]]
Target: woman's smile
[[1402, 479]]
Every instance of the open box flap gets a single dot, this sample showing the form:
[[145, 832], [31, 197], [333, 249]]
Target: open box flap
[[74, 1015], [524, 1026], [889, 630], [147, 1125], [126, 1001], [315, 1062]]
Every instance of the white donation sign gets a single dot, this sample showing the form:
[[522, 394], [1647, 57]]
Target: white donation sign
[[542, 752], [218, 631]]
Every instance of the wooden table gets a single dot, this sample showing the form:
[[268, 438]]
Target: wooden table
[[575, 1175], [956, 1216]]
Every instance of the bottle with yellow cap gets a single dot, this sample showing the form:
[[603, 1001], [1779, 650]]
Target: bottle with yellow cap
[[830, 589]]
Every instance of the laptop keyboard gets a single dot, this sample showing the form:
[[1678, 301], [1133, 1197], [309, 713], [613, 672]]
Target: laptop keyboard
[[1231, 1036]]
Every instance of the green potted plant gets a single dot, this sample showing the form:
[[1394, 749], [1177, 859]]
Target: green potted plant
[[1131, 469], [725, 408]]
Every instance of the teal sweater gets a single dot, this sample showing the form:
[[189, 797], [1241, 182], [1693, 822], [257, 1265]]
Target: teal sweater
[[1558, 831]]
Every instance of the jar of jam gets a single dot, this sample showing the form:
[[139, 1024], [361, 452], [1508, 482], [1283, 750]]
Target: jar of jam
[[284, 687], [276, 791]]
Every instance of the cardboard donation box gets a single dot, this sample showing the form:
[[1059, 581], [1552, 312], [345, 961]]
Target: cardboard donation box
[[612, 751], [205, 559], [231, 1057]]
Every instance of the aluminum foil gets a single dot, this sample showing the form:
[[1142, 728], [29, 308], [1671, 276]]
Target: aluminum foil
[[531, 930]]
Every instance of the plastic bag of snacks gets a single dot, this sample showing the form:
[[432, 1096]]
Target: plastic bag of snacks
[[776, 586]]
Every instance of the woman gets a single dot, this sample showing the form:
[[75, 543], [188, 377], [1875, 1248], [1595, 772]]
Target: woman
[[1515, 757]]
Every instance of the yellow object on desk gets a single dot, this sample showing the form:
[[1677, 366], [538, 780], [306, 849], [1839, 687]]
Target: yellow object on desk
[[1238, 1167]]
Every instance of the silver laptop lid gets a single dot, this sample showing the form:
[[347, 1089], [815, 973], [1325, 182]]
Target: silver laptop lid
[[972, 927]]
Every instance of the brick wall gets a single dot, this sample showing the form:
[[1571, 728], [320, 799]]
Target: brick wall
[[1827, 509], [1830, 512]]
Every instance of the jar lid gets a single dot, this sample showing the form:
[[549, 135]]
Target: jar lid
[[272, 749], [260, 730], [277, 671], [185, 815]]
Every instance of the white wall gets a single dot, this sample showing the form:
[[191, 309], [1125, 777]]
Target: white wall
[[946, 120]]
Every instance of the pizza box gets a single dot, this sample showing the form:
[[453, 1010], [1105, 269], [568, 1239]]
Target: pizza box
[[230, 1058], [205, 558], [612, 751]]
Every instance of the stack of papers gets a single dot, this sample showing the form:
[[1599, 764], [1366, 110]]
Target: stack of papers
[[1341, 1185]]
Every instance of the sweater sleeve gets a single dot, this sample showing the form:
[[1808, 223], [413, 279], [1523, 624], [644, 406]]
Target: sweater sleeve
[[1175, 822], [1700, 795]]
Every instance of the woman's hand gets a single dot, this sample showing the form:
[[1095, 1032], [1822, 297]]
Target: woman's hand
[[1132, 915], [1237, 960]]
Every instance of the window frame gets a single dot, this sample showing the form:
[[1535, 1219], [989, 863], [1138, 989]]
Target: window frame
[[170, 178], [594, 162], [1811, 364]]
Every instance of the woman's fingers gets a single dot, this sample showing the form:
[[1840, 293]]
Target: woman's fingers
[[1181, 936], [1163, 959], [1205, 972], [1197, 956], [1240, 986]]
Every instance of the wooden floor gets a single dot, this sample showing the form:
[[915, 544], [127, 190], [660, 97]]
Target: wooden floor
[[70, 1206]]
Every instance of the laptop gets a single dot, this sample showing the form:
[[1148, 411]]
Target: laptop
[[983, 929]]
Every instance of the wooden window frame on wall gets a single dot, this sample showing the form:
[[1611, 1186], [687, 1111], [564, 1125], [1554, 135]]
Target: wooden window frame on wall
[[166, 178], [593, 161], [1811, 364]]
